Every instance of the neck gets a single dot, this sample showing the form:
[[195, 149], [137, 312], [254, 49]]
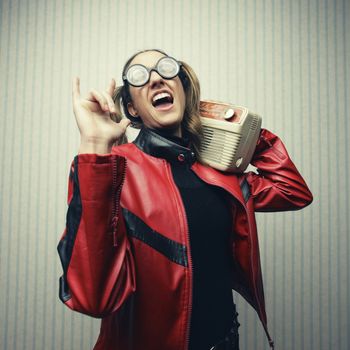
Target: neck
[[170, 132]]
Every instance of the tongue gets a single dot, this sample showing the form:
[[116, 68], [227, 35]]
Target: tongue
[[163, 106]]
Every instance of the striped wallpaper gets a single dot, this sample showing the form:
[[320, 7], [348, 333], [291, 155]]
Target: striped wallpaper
[[286, 60]]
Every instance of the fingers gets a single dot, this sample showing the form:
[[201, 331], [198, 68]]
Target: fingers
[[104, 98], [96, 96], [110, 102], [76, 88], [111, 87]]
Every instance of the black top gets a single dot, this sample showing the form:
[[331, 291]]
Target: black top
[[209, 218]]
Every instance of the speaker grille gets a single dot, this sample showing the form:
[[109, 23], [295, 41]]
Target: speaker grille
[[219, 146]]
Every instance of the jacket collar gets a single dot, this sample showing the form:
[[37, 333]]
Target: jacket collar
[[159, 146]]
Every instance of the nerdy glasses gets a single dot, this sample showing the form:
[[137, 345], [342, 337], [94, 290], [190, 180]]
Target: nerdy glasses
[[139, 75]]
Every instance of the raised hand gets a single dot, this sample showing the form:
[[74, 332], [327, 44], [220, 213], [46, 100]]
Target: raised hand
[[92, 113]]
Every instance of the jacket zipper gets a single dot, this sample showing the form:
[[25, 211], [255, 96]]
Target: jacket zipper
[[190, 263], [116, 196]]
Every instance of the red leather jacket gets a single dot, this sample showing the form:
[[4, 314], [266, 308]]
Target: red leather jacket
[[126, 253]]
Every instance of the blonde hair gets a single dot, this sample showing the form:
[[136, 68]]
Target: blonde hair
[[191, 124]]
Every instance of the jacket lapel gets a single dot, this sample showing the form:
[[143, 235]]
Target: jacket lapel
[[214, 177]]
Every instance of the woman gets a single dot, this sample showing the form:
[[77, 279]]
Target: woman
[[155, 240]]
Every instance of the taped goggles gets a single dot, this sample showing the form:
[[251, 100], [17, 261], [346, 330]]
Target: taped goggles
[[139, 75]]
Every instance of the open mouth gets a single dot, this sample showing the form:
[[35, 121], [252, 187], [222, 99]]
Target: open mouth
[[162, 101]]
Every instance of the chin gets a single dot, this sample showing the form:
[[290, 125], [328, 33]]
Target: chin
[[169, 120], [170, 124]]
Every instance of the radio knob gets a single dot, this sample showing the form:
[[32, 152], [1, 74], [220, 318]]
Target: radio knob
[[229, 113]]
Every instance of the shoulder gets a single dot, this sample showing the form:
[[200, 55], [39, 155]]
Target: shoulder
[[128, 151], [124, 150], [133, 154]]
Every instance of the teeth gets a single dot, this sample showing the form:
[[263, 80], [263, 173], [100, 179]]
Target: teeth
[[160, 95]]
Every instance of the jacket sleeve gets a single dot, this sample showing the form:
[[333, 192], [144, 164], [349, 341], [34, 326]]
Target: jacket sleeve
[[98, 265], [278, 186]]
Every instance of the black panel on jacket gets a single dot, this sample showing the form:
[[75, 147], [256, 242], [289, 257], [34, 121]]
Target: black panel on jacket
[[173, 250], [65, 246]]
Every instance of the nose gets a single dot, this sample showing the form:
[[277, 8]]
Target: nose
[[155, 79]]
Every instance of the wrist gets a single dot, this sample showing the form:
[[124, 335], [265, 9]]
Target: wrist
[[91, 145]]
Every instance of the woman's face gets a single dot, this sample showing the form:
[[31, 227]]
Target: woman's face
[[167, 115]]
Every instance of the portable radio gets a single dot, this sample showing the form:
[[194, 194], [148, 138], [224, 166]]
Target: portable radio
[[230, 135]]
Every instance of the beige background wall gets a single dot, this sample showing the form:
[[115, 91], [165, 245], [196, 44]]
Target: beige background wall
[[287, 60]]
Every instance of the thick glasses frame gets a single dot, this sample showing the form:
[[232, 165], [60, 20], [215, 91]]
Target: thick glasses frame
[[149, 70]]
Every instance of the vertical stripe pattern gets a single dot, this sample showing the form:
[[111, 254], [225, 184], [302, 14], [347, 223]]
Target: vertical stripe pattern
[[286, 60]]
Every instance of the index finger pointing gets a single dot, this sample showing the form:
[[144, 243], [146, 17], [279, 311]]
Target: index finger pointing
[[76, 88]]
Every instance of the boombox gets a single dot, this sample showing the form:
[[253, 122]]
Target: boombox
[[230, 135]]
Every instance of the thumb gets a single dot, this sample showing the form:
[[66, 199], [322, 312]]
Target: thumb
[[124, 123]]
